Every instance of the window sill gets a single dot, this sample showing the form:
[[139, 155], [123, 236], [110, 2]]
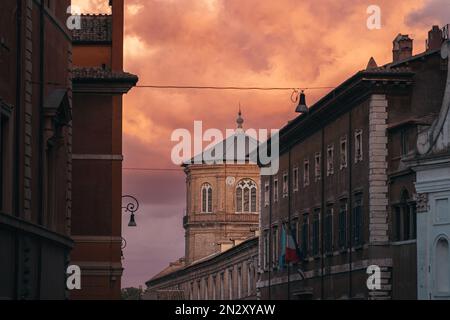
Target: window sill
[[403, 242]]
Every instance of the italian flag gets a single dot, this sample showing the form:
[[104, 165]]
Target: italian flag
[[292, 255]]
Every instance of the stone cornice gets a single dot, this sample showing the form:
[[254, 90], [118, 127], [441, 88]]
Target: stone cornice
[[26, 226]]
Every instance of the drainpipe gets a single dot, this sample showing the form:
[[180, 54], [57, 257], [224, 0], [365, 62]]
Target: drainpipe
[[289, 220], [322, 214], [40, 112], [17, 143], [270, 234], [41, 133], [349, 203], [18, 108]]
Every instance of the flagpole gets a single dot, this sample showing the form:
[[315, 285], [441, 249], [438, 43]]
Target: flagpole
[[289, 281], [290, 186]]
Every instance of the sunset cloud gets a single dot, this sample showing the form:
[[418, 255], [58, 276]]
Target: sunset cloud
[[432, 12]]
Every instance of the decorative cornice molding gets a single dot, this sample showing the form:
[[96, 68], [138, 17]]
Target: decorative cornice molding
[[112, 157]]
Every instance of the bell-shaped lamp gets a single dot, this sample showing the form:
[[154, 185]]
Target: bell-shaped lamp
[[302, 107], [132, 222]]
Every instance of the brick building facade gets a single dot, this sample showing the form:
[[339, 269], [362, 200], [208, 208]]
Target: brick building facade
[[99, 83], [35, 143], [344, 188], [38, 219]]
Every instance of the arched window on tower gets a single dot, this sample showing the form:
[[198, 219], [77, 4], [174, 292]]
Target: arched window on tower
[[246, 196], [206, 198]]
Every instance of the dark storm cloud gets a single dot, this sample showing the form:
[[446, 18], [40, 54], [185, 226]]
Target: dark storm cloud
[[432, 12]]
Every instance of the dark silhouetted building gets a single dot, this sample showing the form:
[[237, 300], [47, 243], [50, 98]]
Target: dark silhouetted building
[[35, 149], [99, 83]]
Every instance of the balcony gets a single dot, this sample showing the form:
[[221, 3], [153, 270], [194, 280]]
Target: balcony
[[198, 218]]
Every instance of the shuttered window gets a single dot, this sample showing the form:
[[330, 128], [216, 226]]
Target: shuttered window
[[329, 230], [343, 224], [357, 221], [316, 233]]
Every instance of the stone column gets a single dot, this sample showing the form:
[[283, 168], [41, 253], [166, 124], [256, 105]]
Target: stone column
[[378, 189]]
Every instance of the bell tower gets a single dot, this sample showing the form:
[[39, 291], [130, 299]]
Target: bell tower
[[222, 208]]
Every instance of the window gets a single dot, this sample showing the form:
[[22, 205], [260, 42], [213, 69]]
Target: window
[[275, 246], [266, 194], [316, 233], [266, 250], [305, 235], [358, 146], [285, 185], [191, 291], [205, 282], [275, 190], [405, 218], [222, 286], [2, 158], [330, 160], [249, 279], [199, 290], [329, 230], [306, 173], [343, 224], [230, 284], [344, 153], [246, 196], [317, 164], [357, 221], [214, 288], [442, 265], [4, 116], [239, 283], [404, 137], [295, 178], [294, 229], [206, 198], [442, 210]]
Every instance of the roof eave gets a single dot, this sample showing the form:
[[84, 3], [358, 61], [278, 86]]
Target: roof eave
[[111, 86]]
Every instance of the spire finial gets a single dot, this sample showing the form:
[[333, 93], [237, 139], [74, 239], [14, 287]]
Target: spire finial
[[239, 120]]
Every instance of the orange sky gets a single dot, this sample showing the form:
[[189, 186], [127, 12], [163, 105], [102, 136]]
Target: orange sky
[[288, 43]]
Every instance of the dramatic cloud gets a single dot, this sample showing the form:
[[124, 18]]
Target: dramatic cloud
[[433, 12], [286, 43]]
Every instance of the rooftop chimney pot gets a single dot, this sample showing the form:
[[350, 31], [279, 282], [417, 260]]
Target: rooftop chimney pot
[[403, 47], [435, 38]]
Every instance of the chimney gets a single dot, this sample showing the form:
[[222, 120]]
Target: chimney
[[435, 38], [403, 47]]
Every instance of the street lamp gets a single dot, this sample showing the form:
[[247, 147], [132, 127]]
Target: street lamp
[[123, 246], [301, 99], [132, 205]]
